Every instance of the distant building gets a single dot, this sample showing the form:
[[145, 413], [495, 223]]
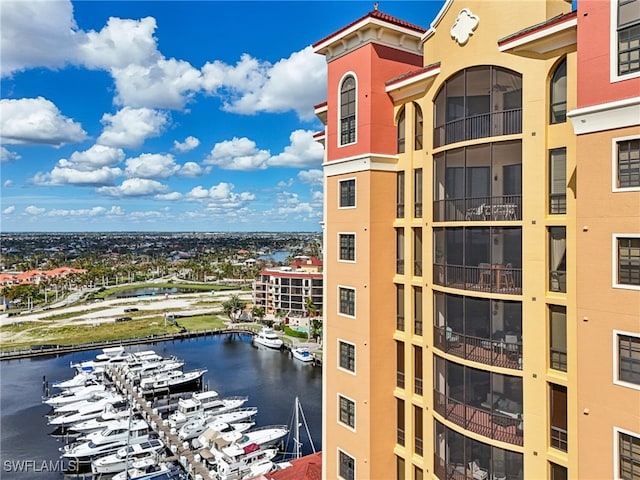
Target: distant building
[[285, 290], [35, 277]]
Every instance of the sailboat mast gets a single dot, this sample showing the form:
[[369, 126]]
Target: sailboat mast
[[297, 429]]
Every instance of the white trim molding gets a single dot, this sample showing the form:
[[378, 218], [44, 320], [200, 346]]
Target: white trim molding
[[614, 164], [360, 163], [606, 116], [614, 76], [355, 408], [616, 359], [355, 194], [355, 357], [614, 261], [355, 250], [616, 448]]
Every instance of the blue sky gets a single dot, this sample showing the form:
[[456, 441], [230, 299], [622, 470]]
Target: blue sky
[[167, 116]]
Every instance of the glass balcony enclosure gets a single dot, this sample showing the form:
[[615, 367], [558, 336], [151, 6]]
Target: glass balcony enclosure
[[457, 457], [478, 102], [479, 183], [479, 329], [486, 259], [486, 403]]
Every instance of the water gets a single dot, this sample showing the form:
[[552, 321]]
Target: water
[[270, 378], [279, 256], [146, 291]]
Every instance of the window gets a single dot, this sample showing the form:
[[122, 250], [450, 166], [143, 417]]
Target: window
[[628, 359], [558, 337], [400, 468], [558, 472], [557, 259], [417, 430], [347, 356], [417, 473], [400, 421], [628, 163], [347, 301], [348, 111], [348, 193], [417, 193], [417, 370], [347, 247], [347, 411], [629, 456], [629, 261], [400, 307], [346, 466], [399, 364], [558, 181], [417, 310], [628, 36], [417, 252], [418, 126], [558, 416], [400, 251], [400, 195], [401, 131], [559, 94]]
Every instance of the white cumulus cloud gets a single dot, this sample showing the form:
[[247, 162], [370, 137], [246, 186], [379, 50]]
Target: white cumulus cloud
[[9, 210], [36, 121], [7, 155], [130, 127], [302, 152], [33, 210], [312, 177], [189, 144], [238, 154], [134, 187], [152, 165]]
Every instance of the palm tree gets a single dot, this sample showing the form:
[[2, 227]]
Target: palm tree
[[258, 312], [233, 307]]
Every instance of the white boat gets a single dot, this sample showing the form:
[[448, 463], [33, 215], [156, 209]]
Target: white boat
[[263, 436], [237, 463], [189, 408], [170, 380], [150, 469], [110, 413], [152, 368], [73, 396], [80, 380], [302, 354], [100, 397], [126, 456], [215, 430], [221, 405], [88, 412], [114, 356], [199, 424], [109, 440], [267, 337]]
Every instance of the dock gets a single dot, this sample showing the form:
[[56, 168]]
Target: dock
[[180, 450]]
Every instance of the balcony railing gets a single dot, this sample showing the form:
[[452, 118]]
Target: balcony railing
[[506, 122], [558, 359], [557, 203], [400, 323], [417, 385], [478, 209], [417, 326], [418, 446], [495, 278], [417, 268], [559, 438], [400, 266], [558, 281], [400, 379], [460, 470], [417, 209], [400, 436], [496, 351], [400, 210], [504, 427]]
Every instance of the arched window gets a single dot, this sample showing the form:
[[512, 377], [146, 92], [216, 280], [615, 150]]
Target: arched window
[[558, 95], [417, 126], [401, 131], [348, 111], [478, 102]]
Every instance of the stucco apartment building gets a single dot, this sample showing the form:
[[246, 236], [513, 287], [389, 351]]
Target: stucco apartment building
[[482, 312]]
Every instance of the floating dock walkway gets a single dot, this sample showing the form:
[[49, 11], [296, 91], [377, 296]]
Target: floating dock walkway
[[180, 450]]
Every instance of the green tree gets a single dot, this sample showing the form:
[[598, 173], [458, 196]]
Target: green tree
[[258, 312], [233, 307]]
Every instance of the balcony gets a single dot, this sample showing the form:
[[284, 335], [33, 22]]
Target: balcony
[[483, 419], [492, 124], [479, 209], [400, 323], [491, 278], [400, 379], [496, 352]]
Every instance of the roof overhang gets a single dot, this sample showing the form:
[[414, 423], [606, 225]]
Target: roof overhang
[[543, 39], [366, 31], [412, 84]]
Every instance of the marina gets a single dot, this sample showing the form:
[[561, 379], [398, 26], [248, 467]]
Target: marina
[[243, 364]]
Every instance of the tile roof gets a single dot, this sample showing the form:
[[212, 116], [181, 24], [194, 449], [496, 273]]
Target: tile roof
[[305, 468], [377, 14], [412, 73], [540, 26]]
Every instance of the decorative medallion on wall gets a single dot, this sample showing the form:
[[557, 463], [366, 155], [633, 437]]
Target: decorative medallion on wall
[[464, 26]]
